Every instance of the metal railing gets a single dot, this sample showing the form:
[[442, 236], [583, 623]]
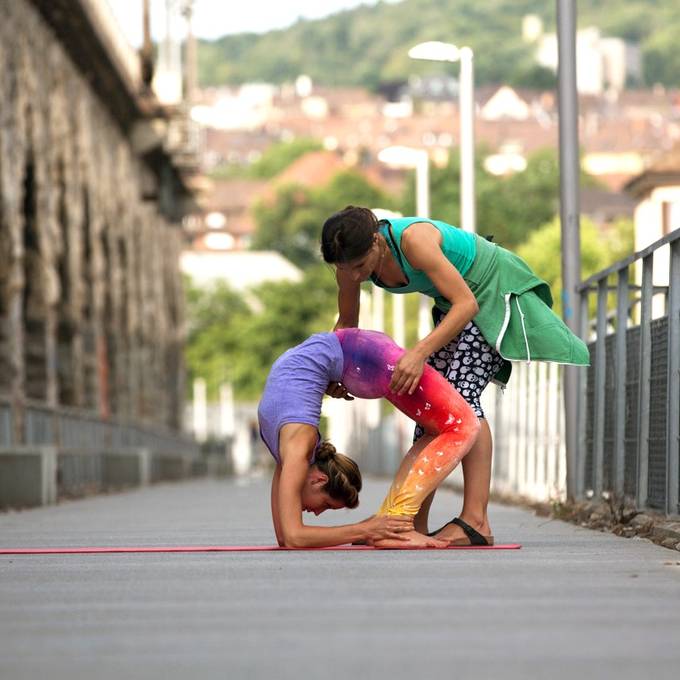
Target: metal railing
[[629, 416], [72, 428]]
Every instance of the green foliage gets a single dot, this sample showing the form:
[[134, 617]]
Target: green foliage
[[227, 340], [292, 312], [279, 156], [600, 248], [292, 223], [369, 44], [228, 171], [214, 319], [230, 342], [512, 207], [661, 59], [509, 208]]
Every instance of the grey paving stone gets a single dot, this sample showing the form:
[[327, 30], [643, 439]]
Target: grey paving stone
[[571, 603]]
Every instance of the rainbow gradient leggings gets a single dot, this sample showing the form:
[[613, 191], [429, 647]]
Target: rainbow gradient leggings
[[369, 361]]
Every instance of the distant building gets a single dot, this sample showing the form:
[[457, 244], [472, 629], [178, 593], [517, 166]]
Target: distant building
[[439, 87], [620, 134], [225, 221], [507, 161], [606, 207], [246, 107], [602, 64], [618, 130], [504, 104], [657, 192], [240, 270]]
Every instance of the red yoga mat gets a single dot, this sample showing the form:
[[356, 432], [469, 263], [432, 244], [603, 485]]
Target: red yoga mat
[[220, 548]]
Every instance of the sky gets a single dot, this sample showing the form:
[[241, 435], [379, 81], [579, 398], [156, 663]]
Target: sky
[[215, 18]]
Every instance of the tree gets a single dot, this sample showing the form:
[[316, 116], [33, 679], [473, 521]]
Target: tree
[[291, 313], [509, 208], [599, 249], [368, 45], [291, 223], [445, 188], [214, 318], [230, 342], [279, 156]]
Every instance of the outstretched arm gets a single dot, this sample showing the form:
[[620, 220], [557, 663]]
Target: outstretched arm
[[348, 300], [421, 244], [275, 505]]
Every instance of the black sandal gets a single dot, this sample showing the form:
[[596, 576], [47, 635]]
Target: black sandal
[[473, 536]]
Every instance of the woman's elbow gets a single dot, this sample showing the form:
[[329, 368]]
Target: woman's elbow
[[292, 540], [474, 307]]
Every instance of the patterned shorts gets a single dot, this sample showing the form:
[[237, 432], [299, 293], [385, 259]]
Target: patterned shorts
[[468, 362]]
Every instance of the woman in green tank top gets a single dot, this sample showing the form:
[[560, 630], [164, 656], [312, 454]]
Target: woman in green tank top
[[490, 309]]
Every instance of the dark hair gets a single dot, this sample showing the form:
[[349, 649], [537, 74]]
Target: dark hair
[[344, 478], [348, 234]]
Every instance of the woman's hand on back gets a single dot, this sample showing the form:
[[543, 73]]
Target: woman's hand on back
[[407, 372], [338, 391]]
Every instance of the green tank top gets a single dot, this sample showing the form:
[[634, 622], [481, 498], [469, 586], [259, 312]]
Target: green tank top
[[459, 248]]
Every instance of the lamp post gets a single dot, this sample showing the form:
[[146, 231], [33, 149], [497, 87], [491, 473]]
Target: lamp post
[[441, 51], [417, 159], [570, 231], [408, 157]]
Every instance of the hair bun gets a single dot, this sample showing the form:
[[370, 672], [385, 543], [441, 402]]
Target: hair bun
[[325, 451]]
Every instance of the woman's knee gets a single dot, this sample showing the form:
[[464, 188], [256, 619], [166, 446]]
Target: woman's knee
[[465, 422]]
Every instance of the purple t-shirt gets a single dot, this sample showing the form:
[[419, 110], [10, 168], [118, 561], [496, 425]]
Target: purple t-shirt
[[296, 384]]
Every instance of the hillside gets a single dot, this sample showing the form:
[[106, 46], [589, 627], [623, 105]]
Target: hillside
[[368, 45]]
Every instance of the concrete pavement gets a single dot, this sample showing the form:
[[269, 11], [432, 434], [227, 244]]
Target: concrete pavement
[[572, 603]]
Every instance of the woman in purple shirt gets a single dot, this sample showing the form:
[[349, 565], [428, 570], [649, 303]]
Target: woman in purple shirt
[[310, 476]]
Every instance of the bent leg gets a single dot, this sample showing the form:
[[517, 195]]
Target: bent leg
[[407, 463], [415, 538], [434, 463], [469, 363], [477, 478], [441, 410], [421, 519], [369, 360]]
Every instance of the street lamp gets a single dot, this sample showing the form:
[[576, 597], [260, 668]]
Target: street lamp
[[441, 51], [408, 157]]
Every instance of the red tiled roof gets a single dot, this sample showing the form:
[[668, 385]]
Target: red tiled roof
[[315, 168]]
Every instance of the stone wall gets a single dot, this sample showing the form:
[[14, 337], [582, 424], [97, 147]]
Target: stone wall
[[90, 290]]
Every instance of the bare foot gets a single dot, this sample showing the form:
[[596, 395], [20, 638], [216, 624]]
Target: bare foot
[[413, 541], [452, 532]]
